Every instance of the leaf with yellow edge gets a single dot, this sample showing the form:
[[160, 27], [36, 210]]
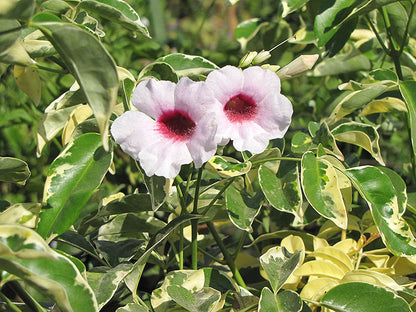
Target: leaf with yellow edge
[[279, 265], [320, 268], [335, 255], [316, 288], [321, 188], [362, 135], [77, 116], [371, 277], [227, 167], [380, 261], [27, 79], [384, 105], [22, 213]]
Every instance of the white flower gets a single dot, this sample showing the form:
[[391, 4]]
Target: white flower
[[250, 108], [175, 125]]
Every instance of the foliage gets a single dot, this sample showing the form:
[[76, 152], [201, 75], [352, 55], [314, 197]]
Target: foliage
[[322, 220]]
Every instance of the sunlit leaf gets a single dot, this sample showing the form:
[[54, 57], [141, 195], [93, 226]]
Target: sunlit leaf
[[381, 196], [320, 268], [95, 71], [72, 178], [23, 214], [354, 101], [227, 167], [117, 11], [77, 116], [384, 105], [203, 300], [321, 188], [361, 297], [25, 254], [106, 284], [363, 135]]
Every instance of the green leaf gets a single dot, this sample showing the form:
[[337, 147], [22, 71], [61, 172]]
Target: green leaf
[[227, 167], [8, 36], [246, 31], [341, 64], [408, 91], [321, 188], [363, 135], [301, 143], [50, 124], [398, 18], [241, 209], [283, 191], [285, 301], [203, 300], [158, 188], [322, 136], [78, 241], [186, 65], [279, 265], [159, 71], [129, 203], [362, 297], [28, 80], [116, 11], [20, 9], [377, 189], [72, 178], [106, 284], [132, 280], [290, 6], [355, 100], [14, 170], [95, 71], [25, 254]]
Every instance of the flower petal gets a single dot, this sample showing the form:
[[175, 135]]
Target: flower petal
[[152, 97], [259, 82], [225, 83]]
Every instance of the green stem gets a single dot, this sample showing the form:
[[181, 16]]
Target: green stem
[[379, 39], [194, 223], [212, 202], [183, 211], [10, 306], [406, 30], [26, 297], [8, 31], [52, 70], [394, 52], [211, 256], [227, 256], [240, 244]]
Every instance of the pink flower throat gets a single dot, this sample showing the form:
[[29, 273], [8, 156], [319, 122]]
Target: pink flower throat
[[240, 108], [176, 125]]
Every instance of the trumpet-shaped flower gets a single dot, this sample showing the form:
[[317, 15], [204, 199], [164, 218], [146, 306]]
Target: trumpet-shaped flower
[[174, 125], [250, 108]]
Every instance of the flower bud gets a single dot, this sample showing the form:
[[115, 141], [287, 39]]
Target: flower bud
[[274, 68], [298, 66], [247, 59], [261, 57]]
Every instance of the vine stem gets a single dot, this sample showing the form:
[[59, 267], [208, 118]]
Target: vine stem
[[227, 256], [194, 223], [9, 304], [26, 297]]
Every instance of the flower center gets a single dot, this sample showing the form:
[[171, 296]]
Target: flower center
[[176, 125], [240, 108]]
